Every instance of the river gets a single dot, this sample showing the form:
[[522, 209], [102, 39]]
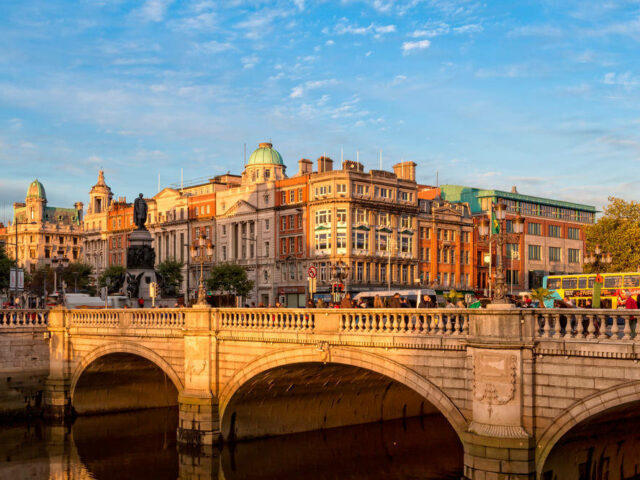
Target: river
[[142, 445]]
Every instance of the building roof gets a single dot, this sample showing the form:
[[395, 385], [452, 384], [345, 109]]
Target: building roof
[[265, 154], [36, 190], [471, 195]]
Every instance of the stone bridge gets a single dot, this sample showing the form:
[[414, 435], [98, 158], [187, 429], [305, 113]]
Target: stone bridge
[[510, 382]]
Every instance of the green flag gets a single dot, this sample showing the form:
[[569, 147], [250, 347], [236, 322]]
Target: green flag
[[495, 225]]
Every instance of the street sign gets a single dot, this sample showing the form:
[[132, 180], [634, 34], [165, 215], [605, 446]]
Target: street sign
[[312, 272]]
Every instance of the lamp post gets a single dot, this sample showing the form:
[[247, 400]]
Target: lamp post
[[202, 251], [598, 258], [500, 289], [16, 223], [339, 272], [60, 262]]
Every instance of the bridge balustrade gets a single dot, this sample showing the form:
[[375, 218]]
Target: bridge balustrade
[[267, 319], [586, 324], [15, 318], [434, 321]]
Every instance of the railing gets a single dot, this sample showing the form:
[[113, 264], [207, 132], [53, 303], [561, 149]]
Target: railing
[[268, 319], [163, 318], [94, 318], [131, 318], [13, 318], [586, 324], [433, 321]]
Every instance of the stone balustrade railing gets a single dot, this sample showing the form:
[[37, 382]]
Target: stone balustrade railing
[[130, 318], [266, 318], [586, 324], [16, 318], [94, 318], [163, 318], [431, 321]]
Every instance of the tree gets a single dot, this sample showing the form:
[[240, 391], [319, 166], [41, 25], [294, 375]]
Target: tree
[[453, 296], [5, 267], [617, 232], [230, 278], [77, 272], [541, 294], [170, 273], [113, 277], [41, 280]]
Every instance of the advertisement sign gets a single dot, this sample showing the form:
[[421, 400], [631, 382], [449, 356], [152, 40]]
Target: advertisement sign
[[16, 276]]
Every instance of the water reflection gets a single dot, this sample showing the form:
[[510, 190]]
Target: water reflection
[[142, 445]]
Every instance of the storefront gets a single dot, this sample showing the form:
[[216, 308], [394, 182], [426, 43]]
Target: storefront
[[292, 297]]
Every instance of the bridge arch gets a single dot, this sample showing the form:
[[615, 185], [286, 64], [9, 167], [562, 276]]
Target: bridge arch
[[124, 347], [582, 410], [349, 357]]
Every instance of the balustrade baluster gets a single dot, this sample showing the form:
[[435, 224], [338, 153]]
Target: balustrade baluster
[[448, 325], [456, 325], [627, 328], [546, 328], [615, 329], [591, 328], [557, 328], [465, 325]]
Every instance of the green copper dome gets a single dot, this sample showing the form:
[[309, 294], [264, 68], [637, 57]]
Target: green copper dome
[[265, 154], [36, 190]]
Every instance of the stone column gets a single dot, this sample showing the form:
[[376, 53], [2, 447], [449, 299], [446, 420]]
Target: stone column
[[199, 422], [57, 387], [497, 444]]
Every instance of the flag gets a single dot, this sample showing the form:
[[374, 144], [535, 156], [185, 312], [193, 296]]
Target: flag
[[597, 287], [495, 225]]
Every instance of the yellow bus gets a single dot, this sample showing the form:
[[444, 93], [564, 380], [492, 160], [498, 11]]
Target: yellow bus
[[579, 287]]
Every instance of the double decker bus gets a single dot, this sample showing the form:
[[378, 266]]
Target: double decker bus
[[579, 287]]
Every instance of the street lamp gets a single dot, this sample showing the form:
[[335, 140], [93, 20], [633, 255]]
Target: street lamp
[[339, 272], [60, 262], [202, 251], [16, 223], [500, 212]]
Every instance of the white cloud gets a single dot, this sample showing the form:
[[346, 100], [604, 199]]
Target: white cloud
[[535, 31], [299, 90], [344, 27], [250, 61], [203, 21], [299, 4], [624, 80], [214, 47], [153, 10], [408, 47], [506, 71], [329, 42], [431, 30], [471, 28]]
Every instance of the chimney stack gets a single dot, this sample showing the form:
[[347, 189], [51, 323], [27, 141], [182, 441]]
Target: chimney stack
[[405, 170], [325, 164], [305, 166]]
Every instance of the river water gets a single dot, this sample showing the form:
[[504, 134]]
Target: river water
[[142, 445]]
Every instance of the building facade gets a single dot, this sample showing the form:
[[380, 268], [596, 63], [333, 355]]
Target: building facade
[[95, 239]]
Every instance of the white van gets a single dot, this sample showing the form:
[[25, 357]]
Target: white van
[[414, 296], [82, 300]]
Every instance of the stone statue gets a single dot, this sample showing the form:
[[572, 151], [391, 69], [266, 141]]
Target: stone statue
[[140, 212]]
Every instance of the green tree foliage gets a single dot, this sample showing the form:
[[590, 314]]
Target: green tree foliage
[[541, 294], [617, 232], [113, 277], [40, 280], [80, 272], [5, 266], [171, 273], [230, 278]]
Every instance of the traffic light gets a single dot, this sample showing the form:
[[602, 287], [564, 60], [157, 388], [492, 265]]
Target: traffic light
[[153, 289]]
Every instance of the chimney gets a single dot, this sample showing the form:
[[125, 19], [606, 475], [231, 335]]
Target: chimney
[[514, 189], [405, 170], [352, 166], [325, 164], [305, 166]]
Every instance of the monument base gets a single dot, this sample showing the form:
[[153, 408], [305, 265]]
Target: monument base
[[140, 267]]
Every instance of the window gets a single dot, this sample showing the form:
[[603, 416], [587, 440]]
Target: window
[[509, 226], [465, 237], [323, 241], [361, 240], [513, 277], [341, 188], [554, 254], [569, 283], [299, 194], [283, 223], [405, 244], [574, 233], [534, 228], [361, 216], [292, 196], [224, 230], [574, 255], [382, 241], [283, 245], [323, 190], [341, 240], [267, 250], [196, 211], [323, 216], [292, 245], [631, 281], [299, 242], [513, 251], [341, 216], [554, 231], [384, 219], [404, 196], [534, 252], [266, 224], [405, 221], [362, 190], [612, 282]]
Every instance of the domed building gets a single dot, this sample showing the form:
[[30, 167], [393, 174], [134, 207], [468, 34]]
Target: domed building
[[43, 233], [265, 165]]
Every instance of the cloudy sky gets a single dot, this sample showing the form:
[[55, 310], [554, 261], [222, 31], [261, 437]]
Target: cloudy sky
[[539, 94]]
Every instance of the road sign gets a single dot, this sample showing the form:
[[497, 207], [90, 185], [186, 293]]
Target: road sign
[[312, 272]]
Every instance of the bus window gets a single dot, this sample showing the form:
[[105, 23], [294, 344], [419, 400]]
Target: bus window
[[569, 283], [631, 281], [612, 282], [582, 282], [553, 283], [592, 281]]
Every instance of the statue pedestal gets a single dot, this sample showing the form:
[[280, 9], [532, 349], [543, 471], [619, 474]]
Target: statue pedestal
[[140, 266]]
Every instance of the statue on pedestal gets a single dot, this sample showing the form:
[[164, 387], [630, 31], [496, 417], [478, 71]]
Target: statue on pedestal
[[140, 212]]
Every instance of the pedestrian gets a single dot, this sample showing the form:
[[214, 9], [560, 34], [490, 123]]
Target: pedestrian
[[363, 303], [140, 302], [449, 304], [346, 301], [631, 304], [310, 303], [426, 302], [395, 301], [377, 302], [320, 303], [404, 303]]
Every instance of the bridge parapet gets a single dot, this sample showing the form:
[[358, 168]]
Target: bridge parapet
[[11, 318]]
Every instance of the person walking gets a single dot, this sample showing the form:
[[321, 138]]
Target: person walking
[[377, 302], [346, 301], [395, 301]]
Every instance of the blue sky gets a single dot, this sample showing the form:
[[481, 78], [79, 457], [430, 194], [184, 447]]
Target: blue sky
[[541, 94]]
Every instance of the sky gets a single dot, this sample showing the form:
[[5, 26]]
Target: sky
[[541, 94]]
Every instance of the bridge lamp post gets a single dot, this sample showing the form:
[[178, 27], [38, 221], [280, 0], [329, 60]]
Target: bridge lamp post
[[202, 251], [339, 272], [60, 262], [501, 238]]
